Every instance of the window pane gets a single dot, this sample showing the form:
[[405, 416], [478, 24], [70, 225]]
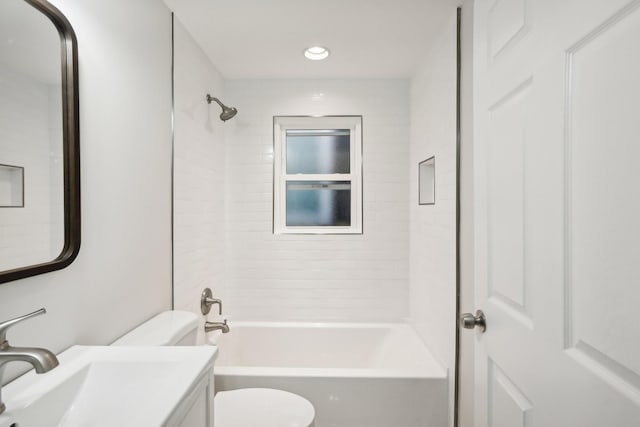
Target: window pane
[[318, 203], [318, 151]]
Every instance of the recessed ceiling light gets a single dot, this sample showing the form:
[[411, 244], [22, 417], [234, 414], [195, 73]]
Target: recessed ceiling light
[[316, 53]]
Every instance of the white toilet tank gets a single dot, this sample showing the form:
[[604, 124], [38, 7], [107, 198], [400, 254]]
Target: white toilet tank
[[167, 328]]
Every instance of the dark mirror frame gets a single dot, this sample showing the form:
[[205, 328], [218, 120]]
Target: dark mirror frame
[[71, 148]]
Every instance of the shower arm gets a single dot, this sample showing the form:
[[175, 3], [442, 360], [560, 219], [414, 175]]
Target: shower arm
[[213, 98]]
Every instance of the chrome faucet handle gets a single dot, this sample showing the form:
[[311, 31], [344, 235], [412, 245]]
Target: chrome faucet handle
[[212, 301], [207, 300], [4, 326]]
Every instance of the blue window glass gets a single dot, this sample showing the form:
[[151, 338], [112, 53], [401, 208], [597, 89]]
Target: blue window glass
[[318, 151], [318, 203]]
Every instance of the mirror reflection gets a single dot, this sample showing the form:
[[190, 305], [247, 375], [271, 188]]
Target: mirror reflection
[[31, 137]]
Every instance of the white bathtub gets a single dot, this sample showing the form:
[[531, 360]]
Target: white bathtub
[[356, 375]]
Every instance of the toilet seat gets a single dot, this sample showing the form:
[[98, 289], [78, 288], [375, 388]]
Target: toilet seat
[[262, 407]]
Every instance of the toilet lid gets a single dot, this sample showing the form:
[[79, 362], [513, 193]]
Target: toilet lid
[[262, 407]]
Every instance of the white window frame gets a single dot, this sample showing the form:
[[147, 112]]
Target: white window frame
[[280, 126]]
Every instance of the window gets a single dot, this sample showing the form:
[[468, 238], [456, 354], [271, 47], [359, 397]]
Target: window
[[317, 175]]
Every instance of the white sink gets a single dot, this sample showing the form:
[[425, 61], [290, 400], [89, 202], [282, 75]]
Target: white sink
[[110, 386]]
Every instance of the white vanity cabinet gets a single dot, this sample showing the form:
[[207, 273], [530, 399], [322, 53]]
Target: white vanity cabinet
[[196, 409]]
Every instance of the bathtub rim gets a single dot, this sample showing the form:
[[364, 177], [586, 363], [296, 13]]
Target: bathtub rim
[[320, 324]]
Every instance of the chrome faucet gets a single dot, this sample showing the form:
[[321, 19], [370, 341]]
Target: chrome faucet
[[42, 360], [214, 326], [206, 301]]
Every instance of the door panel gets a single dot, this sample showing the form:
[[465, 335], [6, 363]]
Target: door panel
[[509, 406], [506, 146], [557, 198], [603, 198], [508, 21]]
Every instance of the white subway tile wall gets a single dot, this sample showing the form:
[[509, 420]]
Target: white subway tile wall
[[199, 175], [312, 277], [433, 227]]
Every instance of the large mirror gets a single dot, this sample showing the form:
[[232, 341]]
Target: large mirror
[[39, 140]]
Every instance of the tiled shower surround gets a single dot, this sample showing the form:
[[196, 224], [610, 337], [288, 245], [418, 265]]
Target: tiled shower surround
[[317, 277]]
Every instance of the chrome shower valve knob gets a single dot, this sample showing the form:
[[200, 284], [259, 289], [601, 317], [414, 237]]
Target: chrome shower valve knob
[[207, 300]]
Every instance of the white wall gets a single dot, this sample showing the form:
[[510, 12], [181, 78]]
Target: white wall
[[122, 275], [310, 277], [199, 166], [433, 227]]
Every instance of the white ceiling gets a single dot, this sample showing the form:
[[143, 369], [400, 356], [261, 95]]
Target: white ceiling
[[248, 39]]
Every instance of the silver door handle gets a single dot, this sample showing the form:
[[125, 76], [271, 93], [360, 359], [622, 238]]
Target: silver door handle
[[469, 321]]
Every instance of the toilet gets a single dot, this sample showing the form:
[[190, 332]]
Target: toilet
[[262, 407], [255, 407]]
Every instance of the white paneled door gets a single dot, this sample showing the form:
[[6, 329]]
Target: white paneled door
[[557, 164]]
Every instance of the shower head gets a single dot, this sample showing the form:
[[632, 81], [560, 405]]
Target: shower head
[[227, 112]]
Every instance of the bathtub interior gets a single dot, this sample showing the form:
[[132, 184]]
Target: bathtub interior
[[381, 347]]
